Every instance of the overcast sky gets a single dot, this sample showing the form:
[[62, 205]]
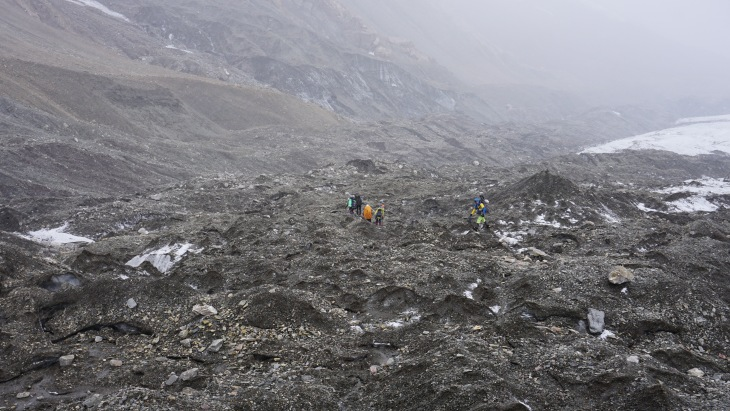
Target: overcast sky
[[622, 48]]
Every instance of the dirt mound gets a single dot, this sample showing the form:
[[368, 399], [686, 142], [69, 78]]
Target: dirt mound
[[543, 186], [365, 166]]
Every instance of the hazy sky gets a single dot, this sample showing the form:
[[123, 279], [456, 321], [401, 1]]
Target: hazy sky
[[612, 48], [700, 23]]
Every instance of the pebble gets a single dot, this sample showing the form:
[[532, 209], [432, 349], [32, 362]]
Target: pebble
[[632, 359], [24, 394], [98, 339], [216, 345], [620, 275], [131, 303], [187, 343], [66, 360], [696, 372], [116, 363], [189, 374], [172, 379], [92, 401]]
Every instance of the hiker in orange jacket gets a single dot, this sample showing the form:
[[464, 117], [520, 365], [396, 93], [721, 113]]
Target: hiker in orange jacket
[[367, 212]]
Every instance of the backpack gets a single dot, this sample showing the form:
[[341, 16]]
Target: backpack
[[379, 213]]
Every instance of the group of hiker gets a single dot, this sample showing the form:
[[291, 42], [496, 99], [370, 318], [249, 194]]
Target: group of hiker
[[355, 207]]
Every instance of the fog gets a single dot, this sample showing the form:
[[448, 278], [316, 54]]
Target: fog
[[614, 51]]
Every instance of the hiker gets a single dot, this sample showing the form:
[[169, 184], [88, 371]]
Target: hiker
[[358, 204], [367, 212], [482, 215], [479, 209], [474, 208], [380, 214], [351, 204]]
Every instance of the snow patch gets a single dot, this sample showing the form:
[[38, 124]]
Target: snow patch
[[609, 215], [607, 334], [170, 46], [691, 205], [409, 317], [644, 208], [495, 309], [510, 237], [163, 259], [702, 187], [54, 236], [540, 220], [691, 137], [100, 7]]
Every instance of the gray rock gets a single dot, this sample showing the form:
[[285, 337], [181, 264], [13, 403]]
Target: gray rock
[[696, 372], [595, 320], [92, 400], [66, 360], [557, 248], [204, 310], [620, 275], [98, 339], [189, 374], [172, 379], [632, 359], [216, 345], [582, 327], [24, 394], [536, 253], [116, 363], [187, 343], [131, 303]]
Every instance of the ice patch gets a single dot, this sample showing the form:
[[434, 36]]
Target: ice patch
[[164, 259], [468, 294], [495, 309], [100, 7], [55, 236]]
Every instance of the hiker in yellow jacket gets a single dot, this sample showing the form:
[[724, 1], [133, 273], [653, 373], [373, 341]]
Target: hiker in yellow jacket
[[380, 214]]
